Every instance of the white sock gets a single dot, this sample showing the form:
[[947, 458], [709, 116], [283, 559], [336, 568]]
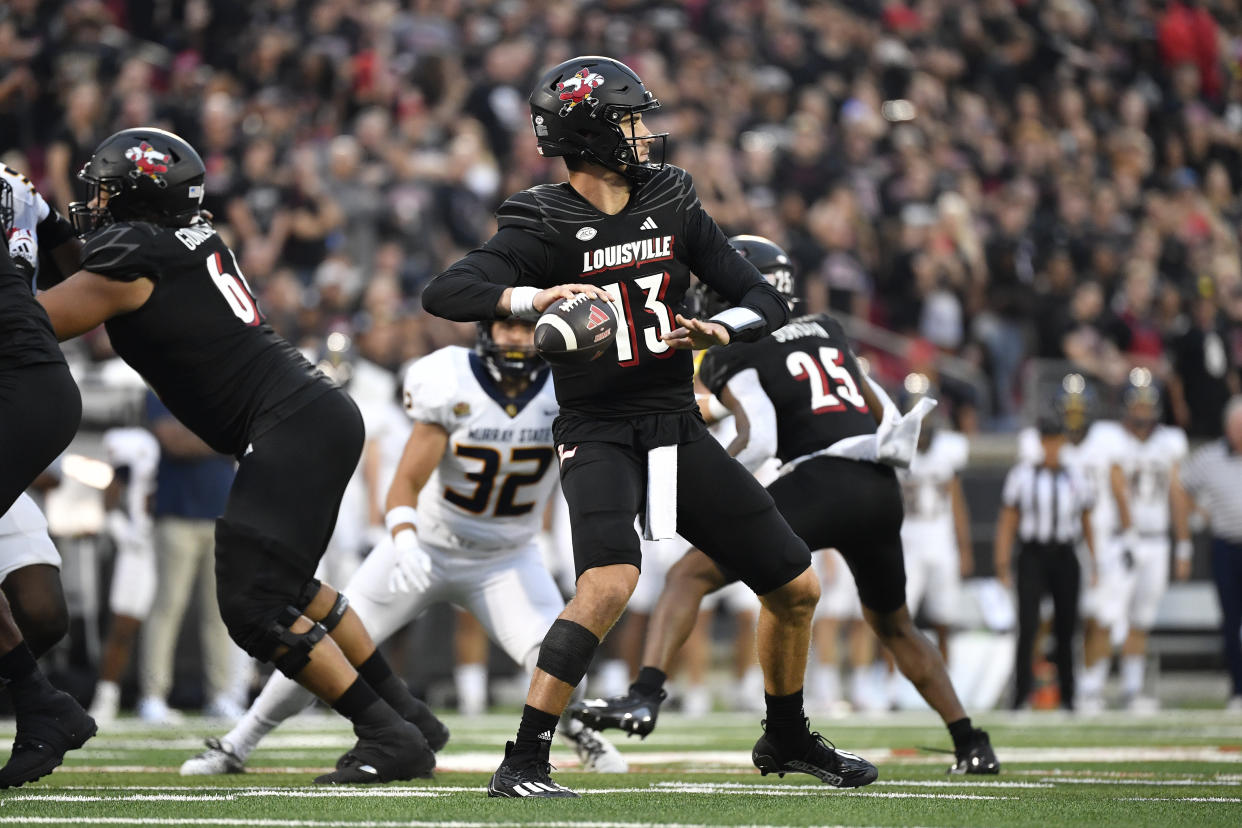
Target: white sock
[[471, 683], [1132, 669], [860, 689], [280, 698], [825, 684], [752, 682], [613, 678], [107, 696], [1094, 678]]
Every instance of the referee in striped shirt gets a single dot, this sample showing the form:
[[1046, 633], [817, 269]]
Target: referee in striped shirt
[[1213, 478], [1044, 506]]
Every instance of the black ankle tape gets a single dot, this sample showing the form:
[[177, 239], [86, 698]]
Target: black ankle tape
[[566, 651]]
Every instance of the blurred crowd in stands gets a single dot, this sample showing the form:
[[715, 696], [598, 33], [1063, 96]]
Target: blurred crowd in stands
[[999, 180]]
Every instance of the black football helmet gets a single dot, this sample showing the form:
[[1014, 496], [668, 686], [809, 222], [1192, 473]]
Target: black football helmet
[[149, 175], [509, 362], [577, 109], [767, 257]]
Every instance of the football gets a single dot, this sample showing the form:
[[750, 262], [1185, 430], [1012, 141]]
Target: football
[[575, 330]]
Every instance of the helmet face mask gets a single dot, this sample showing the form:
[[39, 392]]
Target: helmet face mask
[[509, 362], [147, 174], [589, 108]]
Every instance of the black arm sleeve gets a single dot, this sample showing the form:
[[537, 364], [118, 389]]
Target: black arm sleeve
[[52, 232], [727, 272], [469, 290]]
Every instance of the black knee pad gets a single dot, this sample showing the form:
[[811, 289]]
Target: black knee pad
[[566, 651], [254, 587], [297, 645], [335, 614]]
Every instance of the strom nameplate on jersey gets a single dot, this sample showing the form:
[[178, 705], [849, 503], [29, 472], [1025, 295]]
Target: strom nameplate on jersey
[[627, 254]]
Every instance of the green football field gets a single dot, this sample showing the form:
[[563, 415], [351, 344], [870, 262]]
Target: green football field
[[1175, 768]]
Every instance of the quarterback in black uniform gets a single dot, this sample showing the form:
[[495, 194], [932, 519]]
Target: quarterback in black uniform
[[801, 391], [628, 229], [40, 409], [179, 311]]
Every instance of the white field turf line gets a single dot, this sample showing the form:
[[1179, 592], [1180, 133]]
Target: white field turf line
[[315, 823]]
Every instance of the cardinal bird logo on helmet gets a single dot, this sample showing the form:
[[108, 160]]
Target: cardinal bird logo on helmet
[[578, 89], [148, 161]]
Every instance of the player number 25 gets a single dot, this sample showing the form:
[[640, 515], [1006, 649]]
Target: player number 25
[[821, 374]]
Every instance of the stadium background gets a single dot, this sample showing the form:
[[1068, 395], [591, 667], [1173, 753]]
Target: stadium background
[[990, 192]]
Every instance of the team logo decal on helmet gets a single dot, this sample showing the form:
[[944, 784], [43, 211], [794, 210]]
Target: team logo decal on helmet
[[578, 89], [148, 161]]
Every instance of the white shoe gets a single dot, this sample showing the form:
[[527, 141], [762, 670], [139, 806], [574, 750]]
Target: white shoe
[[697, 702], [1234, 705], [217, 760], [157, 711], [224, 709], [1143, 704], [1091, 706], [107, 702], [594, 751]]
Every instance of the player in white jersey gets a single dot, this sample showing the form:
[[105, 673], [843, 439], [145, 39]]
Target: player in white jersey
[[1089, 450], [1146, 486], [29, 562], [134, 455], [464, 509], [935, 532]]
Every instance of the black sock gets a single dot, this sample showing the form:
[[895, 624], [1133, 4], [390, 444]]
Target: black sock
[[961, 732], [650, 681], [355, 703], [27, 684], [535, 732], [376, 672], [786, 722]]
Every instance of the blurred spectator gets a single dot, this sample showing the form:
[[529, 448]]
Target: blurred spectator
[[922, 162], [1203, 377]]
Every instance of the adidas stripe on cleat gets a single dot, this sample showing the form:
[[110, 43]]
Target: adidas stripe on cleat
[[519, 777]]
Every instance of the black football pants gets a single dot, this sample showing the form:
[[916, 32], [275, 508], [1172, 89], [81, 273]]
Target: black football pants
[[40, 409], [1047, 568]]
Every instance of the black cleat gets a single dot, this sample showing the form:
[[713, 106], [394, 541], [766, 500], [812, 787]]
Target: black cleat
[[634, 712], [977, 757], [434, 730], [518, 778], [44, 736], [396, 754], [821, 760]]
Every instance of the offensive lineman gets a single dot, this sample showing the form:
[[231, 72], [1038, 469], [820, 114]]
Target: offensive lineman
[[464, 508], [802, 393], [628, 229], [179, 312]]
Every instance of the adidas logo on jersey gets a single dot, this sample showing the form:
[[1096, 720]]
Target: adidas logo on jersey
[[648, 224]]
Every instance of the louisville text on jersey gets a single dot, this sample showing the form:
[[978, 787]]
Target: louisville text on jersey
[[627, 255]]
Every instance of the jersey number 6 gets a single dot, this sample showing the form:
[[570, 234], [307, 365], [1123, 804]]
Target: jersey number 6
[[235, 290]]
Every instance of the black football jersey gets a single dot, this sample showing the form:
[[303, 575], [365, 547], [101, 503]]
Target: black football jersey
[[26, 336], [200, 340], [809, 372], [643, 255]]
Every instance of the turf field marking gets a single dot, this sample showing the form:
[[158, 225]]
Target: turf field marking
[[1095, 780], [1179, 799], [313, 823]]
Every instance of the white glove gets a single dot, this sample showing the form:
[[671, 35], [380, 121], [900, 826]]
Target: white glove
[[412, 571], [24, 250], [899, 442]]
